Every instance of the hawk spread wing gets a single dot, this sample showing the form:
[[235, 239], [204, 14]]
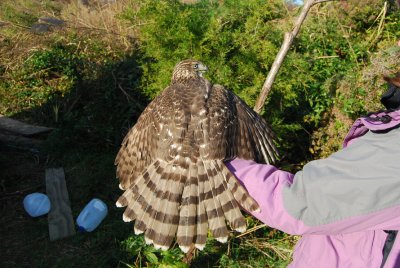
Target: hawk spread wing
[[171, 162]]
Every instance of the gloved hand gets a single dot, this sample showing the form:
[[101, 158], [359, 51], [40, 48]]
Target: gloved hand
[[391, 98]]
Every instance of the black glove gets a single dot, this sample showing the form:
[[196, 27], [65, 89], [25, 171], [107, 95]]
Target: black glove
[[391, 98]]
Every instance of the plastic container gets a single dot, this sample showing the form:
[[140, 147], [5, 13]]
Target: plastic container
[[37, 204], [92, 215]]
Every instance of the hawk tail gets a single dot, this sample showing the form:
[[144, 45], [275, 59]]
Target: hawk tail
[[168, 200]]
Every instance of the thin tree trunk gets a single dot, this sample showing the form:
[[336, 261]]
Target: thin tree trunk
[[287, 42]]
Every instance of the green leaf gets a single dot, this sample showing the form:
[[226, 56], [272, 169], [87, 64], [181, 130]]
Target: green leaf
[[151, 257]]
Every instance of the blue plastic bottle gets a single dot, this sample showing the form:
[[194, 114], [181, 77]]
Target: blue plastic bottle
[[36, 204], [92, 215]]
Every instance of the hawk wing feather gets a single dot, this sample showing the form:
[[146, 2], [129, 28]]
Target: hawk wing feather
[[152, 136], [257, 127], [133, 157], [252, 135]]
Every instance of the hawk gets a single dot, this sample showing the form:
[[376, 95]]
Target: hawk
[[171, 162]]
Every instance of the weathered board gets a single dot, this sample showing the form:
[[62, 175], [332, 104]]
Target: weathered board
[[61, 223], [21, 128], [20, 141]]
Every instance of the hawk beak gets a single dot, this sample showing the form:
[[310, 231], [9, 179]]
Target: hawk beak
[[202, 69]]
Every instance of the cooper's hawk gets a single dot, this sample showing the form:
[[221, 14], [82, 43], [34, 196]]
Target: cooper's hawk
[[171, 163]]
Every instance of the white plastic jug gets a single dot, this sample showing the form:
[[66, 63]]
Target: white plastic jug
[[36, 204], [92, 215]]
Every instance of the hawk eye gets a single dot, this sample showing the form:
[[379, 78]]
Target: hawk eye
[[196, 66]]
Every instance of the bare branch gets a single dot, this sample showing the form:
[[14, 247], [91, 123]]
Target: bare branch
[[287, 42], [322, 1]]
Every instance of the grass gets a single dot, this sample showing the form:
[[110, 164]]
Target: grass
[[103, 21]]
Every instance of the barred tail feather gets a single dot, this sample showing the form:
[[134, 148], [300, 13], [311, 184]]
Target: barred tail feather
[[201, 218], [170, 219], [132, 195], [167, 218], [159, 204], [228, 203], [215, 215], [149, 209], [187, 216], [143, 194]]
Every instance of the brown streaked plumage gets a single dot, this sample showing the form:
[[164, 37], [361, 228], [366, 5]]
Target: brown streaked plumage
[[171, 162]]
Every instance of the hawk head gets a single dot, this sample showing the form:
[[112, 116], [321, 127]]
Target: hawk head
[[188, 70]]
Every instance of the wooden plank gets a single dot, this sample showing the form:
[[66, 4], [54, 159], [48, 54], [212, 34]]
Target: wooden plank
[[20, 141], [21, 128], [61, 223]]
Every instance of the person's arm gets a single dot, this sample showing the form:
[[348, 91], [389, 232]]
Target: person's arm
[[355, 189]]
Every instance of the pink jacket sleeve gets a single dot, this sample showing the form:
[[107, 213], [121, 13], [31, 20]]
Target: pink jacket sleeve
[[266, 184]]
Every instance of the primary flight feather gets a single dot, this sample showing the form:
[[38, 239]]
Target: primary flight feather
[[171, 163]]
